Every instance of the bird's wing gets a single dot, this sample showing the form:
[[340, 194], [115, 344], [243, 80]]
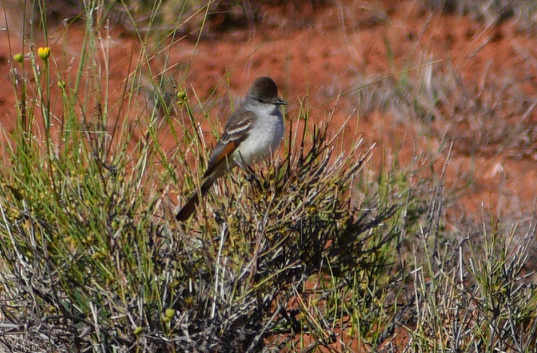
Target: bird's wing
[[237, 129]]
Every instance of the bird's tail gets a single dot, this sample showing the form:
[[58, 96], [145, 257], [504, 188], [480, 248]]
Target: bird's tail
[[190, 206]]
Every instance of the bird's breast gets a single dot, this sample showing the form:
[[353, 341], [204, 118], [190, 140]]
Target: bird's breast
[[263, 139]]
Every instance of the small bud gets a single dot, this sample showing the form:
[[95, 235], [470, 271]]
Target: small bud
[[61, 84], [138, 330], [189, 301], [181, 95], [18, 57], [169, 313], [43, 53]]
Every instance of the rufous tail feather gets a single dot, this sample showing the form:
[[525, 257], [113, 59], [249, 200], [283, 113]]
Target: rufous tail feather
[[190, 206]]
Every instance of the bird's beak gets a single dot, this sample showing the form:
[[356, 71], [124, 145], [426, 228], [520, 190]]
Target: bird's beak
[[279, 101]]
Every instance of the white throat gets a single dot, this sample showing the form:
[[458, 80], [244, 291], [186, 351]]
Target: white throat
[[261, 108]]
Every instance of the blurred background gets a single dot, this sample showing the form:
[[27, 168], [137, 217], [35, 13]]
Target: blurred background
[[419, 78]]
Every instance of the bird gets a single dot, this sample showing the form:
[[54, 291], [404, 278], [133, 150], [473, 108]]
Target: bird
[[253, 132]]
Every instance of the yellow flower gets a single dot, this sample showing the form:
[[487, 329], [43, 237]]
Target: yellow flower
[[43, 53]]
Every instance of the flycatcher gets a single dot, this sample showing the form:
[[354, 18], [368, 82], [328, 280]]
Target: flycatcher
[[253, 132]]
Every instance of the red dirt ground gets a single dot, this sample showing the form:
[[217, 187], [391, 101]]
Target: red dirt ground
[[327, 51]]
